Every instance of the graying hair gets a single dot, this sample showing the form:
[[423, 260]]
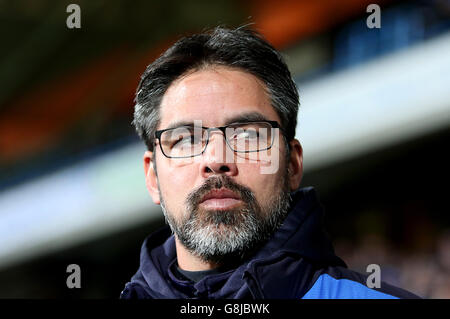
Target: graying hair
[[236, 48]]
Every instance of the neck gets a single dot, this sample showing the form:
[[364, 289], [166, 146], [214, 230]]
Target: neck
[[190, 262]]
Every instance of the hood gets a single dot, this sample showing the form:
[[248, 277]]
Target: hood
[[281, 267]]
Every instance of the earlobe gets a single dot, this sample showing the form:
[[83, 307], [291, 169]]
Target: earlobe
[[151, 179], [295, 165]]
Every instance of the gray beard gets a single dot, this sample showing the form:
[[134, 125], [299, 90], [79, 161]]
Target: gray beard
[[216, 236]]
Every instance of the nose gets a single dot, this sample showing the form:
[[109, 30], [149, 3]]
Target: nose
[[217, 158]]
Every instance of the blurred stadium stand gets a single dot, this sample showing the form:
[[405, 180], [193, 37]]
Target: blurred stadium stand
[[374, 124]]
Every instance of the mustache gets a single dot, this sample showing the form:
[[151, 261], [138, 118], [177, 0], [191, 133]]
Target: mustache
[[217, 182]]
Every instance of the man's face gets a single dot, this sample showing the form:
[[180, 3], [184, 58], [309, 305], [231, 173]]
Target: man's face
[[244, 205]]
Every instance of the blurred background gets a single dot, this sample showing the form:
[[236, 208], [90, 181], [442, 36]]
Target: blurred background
[[374, 125]]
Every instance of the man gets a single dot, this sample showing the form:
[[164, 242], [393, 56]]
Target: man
[[218, 113]]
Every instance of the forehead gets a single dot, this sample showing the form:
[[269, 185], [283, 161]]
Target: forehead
[[214, 95]]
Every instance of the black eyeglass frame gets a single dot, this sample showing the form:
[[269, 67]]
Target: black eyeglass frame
[[274, 125]]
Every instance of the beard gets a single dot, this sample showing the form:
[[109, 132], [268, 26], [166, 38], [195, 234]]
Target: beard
[[233, 234]]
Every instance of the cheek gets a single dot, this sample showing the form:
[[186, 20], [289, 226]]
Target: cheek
[[262, 185], [265, 185], [175, 185]]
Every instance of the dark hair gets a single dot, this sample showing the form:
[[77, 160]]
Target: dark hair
[[237, 48]]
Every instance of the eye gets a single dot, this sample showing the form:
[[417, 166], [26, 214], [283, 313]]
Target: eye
[[245, 134], [186, 140]]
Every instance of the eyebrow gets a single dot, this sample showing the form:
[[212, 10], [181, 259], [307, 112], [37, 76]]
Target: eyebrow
[[245, 117]]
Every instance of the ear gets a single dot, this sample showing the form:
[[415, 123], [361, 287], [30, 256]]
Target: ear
[[151, 180], [295, 164]]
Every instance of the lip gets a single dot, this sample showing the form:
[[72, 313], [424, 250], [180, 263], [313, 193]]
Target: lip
[[220, 194], [220, 199]]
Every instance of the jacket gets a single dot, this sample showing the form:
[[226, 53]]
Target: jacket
[[298, 261]]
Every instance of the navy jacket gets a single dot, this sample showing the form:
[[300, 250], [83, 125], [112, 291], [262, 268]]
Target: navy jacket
[[297, 262]]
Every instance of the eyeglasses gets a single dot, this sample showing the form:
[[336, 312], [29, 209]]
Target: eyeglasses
[[190, 141]]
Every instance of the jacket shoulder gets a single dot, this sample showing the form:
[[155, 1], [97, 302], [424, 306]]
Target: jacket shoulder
[[133, 290], [342, 283]]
